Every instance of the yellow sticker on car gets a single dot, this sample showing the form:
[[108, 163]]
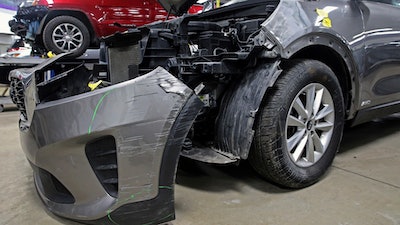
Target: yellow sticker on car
[[323, 16]]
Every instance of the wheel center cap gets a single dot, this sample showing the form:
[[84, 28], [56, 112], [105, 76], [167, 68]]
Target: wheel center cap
[[310, 125]]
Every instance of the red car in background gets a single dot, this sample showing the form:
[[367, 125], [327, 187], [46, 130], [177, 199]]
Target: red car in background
[[74, 25]]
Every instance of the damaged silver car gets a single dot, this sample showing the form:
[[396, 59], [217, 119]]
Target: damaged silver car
[[271, 82]]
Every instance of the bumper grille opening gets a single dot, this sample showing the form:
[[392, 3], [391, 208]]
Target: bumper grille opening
[[102, 156], [17, 95], [53, 189]]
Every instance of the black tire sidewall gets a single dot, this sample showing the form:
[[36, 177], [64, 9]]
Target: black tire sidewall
[[280, 167], [324, 76], [53, 23]]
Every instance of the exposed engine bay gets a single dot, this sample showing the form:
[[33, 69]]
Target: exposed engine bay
[[209, 52]]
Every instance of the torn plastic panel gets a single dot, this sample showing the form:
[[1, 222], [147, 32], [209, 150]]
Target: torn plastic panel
[[22, 78], [148, 123], [239, 108]]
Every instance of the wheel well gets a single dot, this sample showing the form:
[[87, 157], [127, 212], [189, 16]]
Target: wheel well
[[78, 15], [332, 59]]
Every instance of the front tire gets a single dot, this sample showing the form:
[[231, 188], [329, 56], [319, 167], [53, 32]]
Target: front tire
[[66, 34], [299, 126]]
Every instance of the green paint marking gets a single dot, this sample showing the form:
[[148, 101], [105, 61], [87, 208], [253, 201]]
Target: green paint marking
[[165, 187], [109, 217], [97, 108]]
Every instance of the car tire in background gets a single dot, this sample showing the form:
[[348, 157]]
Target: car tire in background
[[66, 34], [299, 126]]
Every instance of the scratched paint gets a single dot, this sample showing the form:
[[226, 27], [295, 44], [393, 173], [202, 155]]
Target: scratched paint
[[96, 109]]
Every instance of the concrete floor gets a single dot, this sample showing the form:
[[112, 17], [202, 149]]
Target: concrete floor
[[362, 187]]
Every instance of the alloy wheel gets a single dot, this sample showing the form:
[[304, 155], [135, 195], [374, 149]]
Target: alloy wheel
[[309, 125], [67, 37]]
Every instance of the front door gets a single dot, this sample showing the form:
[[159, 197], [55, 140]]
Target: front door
[[380, 81]]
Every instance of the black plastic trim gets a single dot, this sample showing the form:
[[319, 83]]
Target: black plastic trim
[[366, 115], [51, 187], [102, 156]]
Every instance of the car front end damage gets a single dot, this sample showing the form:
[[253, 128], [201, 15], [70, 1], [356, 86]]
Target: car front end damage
[[104, 139], [108, 152], [104, 148], [109, 155]]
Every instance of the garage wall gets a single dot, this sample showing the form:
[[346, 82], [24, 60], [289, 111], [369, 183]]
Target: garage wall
[[7, 11]]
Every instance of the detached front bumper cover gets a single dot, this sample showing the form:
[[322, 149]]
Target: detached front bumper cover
[[109, 156]]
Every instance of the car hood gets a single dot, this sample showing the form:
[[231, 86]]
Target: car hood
[[177, 7]]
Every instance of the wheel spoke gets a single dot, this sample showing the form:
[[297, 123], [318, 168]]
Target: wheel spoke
[[295, 139], [72, 46], [324, 126], [300, 148], [76, 40], [63, 28], [299, 107], [295, 122], [79, 34], [61, 44], [65, 44], [310, 98], [317, 101], [74, 30], [318, 146], [310, 149], [328, 109], [69, 46]]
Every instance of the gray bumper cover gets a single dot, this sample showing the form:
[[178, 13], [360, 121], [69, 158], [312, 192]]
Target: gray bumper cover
[[149, 118]]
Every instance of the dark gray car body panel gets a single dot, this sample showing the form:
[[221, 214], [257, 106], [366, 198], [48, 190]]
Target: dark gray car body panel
[[141, 131], [365, 34]]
